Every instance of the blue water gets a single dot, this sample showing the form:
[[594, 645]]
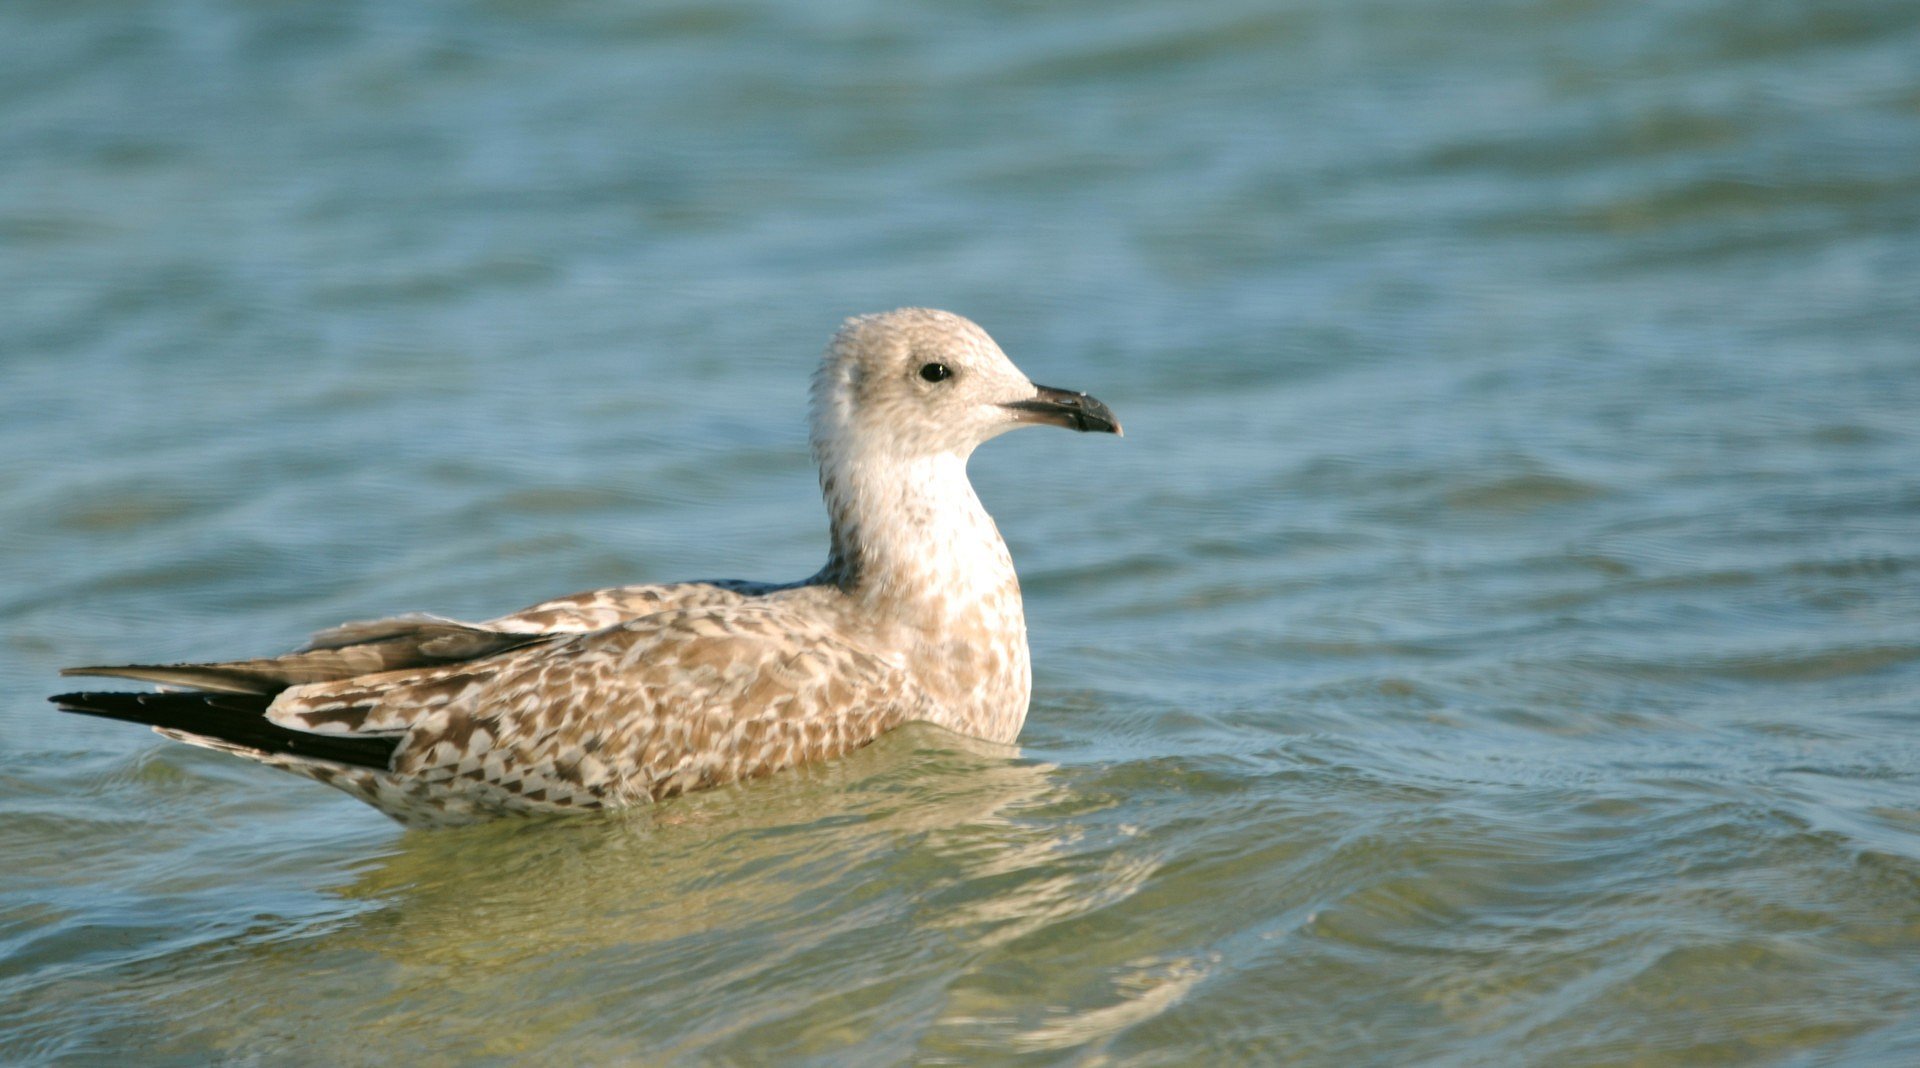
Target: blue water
[[1496, 640]]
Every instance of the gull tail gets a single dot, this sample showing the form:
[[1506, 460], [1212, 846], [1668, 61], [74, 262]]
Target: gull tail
[[235, 722]]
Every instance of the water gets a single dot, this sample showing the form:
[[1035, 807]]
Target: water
[[1497, 640]]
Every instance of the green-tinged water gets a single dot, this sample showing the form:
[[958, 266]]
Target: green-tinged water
[[1496, 641]]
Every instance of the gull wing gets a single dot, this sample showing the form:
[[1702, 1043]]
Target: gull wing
[[674, 701]]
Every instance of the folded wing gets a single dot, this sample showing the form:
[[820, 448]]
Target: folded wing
[[646, 709]]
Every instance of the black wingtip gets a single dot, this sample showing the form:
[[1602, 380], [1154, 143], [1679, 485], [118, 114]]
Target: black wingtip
[[237, 719], [123, 706]]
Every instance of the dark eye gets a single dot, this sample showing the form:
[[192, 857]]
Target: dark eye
[[935, 372]]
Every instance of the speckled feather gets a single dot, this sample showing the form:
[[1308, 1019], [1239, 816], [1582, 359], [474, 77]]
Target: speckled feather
[[632, 694]]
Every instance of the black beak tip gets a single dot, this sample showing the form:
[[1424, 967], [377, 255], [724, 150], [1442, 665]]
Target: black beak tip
[[1067, 408]]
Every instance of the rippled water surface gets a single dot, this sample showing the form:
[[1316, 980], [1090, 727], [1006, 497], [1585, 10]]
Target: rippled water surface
[[1496, 641]]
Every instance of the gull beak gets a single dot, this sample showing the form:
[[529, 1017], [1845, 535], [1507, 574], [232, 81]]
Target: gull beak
[[1063, 407]]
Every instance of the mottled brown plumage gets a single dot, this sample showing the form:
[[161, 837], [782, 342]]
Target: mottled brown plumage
[[632, 694]]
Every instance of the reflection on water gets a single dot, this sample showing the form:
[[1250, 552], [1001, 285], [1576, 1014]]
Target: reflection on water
[[464, 928], [1495, 642]]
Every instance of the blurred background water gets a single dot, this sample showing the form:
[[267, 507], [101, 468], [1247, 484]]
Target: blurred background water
[[1497, 640]]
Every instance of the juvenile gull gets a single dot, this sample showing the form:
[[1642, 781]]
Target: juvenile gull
[[631, 694]]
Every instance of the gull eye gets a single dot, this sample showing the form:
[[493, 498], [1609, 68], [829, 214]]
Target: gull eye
[[935, 372]]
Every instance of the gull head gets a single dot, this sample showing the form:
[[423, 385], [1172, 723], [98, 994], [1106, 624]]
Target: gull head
[[920, 382]]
